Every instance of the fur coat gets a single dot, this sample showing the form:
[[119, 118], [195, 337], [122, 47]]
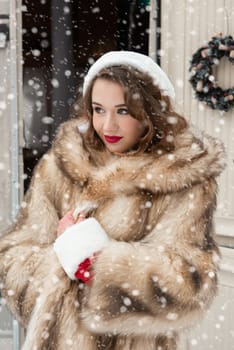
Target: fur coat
[[158, 273]]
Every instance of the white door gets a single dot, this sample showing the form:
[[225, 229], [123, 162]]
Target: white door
[[10, 141], [185, 26]]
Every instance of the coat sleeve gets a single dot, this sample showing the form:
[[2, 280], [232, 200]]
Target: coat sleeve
[[164, 282], [26, 252]]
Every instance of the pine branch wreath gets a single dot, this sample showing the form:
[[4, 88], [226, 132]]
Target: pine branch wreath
[[202, 78]]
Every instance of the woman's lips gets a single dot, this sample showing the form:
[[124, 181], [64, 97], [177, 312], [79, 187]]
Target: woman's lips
[[112, 139]]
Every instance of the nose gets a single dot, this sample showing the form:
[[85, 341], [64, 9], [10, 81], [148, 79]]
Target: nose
[[110, 122]]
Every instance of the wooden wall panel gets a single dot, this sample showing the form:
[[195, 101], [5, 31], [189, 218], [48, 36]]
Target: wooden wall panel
[[186, 26]]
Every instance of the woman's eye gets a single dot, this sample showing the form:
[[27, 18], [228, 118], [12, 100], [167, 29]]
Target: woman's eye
[[98, 110], [123, 111]]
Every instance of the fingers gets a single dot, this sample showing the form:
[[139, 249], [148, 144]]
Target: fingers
[[80, 217], [65, 222], [69, 220]]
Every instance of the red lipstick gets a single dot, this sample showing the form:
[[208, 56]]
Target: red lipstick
[[112, 139]]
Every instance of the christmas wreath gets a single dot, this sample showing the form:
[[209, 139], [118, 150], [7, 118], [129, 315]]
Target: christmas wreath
[[202, 78]]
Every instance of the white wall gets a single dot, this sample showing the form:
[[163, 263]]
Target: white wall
[[186, 26]]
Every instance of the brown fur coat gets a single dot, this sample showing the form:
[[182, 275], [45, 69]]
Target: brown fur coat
[[157, 275]]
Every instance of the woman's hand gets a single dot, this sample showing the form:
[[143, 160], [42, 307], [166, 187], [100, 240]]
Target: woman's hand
[[78, 243], [83, 271], [69, 220]]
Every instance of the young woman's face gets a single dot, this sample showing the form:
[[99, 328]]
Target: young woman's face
[[115, 126]]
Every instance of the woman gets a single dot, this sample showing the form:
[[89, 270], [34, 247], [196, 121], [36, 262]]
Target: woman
[[135, 261]]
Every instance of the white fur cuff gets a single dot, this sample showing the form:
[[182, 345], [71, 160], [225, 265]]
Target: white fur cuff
[[79, 242]]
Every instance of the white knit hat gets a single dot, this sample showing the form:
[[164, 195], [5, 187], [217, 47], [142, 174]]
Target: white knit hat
[[139, 61]]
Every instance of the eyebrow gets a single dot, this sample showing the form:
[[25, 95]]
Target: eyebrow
[[99, 104]]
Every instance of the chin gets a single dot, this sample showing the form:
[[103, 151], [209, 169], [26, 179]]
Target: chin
[[115, 150]]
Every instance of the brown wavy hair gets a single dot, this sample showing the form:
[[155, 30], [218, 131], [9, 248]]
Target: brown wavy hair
[[145, 102]]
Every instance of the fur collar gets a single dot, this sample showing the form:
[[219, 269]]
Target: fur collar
[[196, 158]]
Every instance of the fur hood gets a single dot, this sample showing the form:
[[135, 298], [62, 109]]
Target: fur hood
[[158, 273]]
